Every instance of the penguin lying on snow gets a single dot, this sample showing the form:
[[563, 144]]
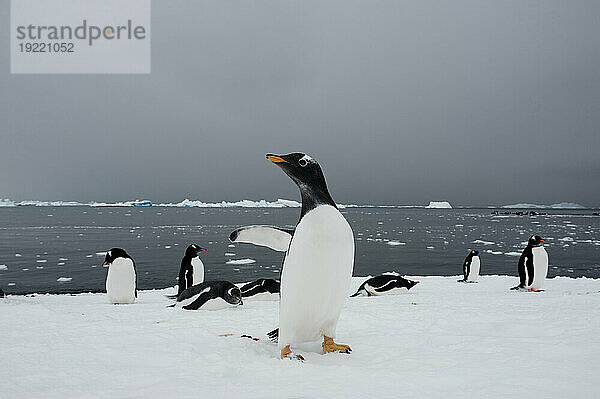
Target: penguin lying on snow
[[533, 266], [209, 295], [319, 259], [192, 268], [121, 280], [471, 268], [386, 284], [263, 289]]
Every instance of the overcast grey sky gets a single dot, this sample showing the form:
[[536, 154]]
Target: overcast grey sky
[[402, 102]]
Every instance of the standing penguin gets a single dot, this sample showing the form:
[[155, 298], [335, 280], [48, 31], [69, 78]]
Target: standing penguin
[[192, 268], [317, 268], [471, 267], [533, 266], [1, 293], [121, 281]]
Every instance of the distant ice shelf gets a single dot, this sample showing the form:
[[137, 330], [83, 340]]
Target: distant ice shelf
[[561, 205], [246, 203]]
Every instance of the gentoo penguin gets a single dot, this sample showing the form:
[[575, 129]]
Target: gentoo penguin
[[386, 284], [263, 289], [318, 264], [1, 293], [533, 266], [471, 267], [192, 268], [121, 281], [209, 295]]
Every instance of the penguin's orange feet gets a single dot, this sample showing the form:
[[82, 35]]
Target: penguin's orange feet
[[330, 346], [286, 353], [532, 290]]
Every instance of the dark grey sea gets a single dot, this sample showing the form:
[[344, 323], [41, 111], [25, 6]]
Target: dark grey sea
[[61, 249]]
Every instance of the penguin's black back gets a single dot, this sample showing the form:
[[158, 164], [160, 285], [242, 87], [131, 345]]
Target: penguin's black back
[[381, 281], [186, 274], [467, 265], [217, 289], [526, 262], [261, 285]]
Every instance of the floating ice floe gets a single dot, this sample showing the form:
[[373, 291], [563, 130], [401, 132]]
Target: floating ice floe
[[395, 243], [483, 242], [3, 267], [64, 279], [240, 261], [512, 253]]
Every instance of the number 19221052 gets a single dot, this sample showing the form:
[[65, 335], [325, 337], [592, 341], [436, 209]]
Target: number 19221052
[[47, 47]]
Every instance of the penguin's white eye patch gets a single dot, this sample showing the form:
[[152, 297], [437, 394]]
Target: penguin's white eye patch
[[109, 254], [304, 160]]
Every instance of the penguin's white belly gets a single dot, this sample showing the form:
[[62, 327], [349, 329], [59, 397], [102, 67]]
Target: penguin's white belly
[[263, 296], [198, 268], [120, 281], [540, 267], [212, 304], [474, 269], [316, 276], [393, 291]]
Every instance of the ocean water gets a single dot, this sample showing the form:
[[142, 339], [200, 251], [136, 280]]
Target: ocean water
[[61, 249]]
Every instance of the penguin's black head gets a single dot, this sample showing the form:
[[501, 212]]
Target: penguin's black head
[[194, 250], [475, 253], [113, 254], [271, 285], [535, 241], [301, 168], [306, 173], [233, 295]]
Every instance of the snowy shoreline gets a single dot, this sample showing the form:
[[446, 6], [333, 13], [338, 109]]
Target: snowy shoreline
[[442, 339]]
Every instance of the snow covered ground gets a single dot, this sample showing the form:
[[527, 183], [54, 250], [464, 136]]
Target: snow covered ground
[[442, 339]]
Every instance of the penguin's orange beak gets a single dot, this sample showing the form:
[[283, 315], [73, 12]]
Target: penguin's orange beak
[[105, 264], [275, 158]]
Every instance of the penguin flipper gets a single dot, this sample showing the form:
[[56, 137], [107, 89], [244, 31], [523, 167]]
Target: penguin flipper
[[272, 237], [201, 300]]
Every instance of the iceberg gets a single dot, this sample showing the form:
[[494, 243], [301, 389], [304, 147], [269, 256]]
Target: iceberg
[[439, 205], [6, 202]]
